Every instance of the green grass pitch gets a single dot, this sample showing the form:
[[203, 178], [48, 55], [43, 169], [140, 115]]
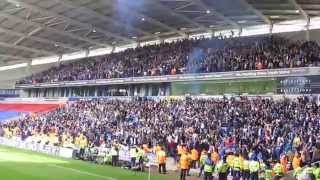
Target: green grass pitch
[[16, 164]]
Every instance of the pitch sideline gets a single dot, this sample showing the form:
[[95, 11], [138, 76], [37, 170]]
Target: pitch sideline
[[82, 172]]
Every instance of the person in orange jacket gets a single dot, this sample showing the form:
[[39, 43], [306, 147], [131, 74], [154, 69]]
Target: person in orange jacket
[[162, 158], [297, 160], [215, 157], [184, 165], [194, 158], [284, 163]]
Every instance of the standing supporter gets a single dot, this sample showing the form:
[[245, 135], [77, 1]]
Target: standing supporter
[[254, 167], [208, 168], [194, 158], [222, 168], [278, 171], [161, 156], [203, 157], [184, 165]]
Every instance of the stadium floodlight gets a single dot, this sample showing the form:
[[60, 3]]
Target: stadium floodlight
[[148, 43], [200, 35], [99, 52], [289, 26], [73, 56], [125, 47], [173, 39], [256, 30], [14, 66], [44, 60]]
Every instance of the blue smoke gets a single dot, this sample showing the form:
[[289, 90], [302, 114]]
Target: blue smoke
[[123, 10], [196, 57]]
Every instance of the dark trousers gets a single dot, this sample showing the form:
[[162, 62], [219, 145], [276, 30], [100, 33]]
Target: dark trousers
[[162, 168], [236, 174], [201, 170], [223, 176], [141, 165], [246, 175], [183, 174], [254, 176], [277, 177], [193, 164], [114, 161], [208, 176], [81, 153], [133, 162]]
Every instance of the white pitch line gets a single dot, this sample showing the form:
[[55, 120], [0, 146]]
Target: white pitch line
[[82, 172]]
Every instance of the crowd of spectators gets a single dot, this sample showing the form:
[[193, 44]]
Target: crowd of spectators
[[188, 56], [259, 127]]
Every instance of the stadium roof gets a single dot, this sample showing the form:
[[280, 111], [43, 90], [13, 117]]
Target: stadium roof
[[30, 29]]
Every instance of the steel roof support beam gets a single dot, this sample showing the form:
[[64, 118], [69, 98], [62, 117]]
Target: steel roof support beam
[[185, 18], [302, 11], [148, 19], [62, 33], [29, 36], [218, 14], [26, 48], [68, 20], [14, 57], [257, 12], [98, 15]]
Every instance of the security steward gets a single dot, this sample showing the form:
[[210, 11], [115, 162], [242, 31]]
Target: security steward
[[208, 168], [278, 171], [114, 155], [140, 156], [203, 157], [246, 170], [133, 156], [222, 169], [162, 158], [184, 165], [254, 167], [236, 167]]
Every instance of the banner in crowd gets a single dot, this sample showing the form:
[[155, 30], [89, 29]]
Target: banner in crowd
[[38, 147]]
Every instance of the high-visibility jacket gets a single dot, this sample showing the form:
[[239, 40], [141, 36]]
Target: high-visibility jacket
[[316, 173], [113, 151], [254, 166], [222, 167], [83, 143], [296, 162], [297, 172], [236, 164], [308, 170], [278, 170], [184, 161], [161, 156], [208, 166], [230, 160], [133, 153], [157, 148], [145, 148], [203, 158], [215, 157], [179, 149], [140, 153], [268, 174], [194, 155], [246, 165], [284, 163]]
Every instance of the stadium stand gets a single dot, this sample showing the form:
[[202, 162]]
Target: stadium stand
[[189, 56], [264, 129], [216, 89]]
